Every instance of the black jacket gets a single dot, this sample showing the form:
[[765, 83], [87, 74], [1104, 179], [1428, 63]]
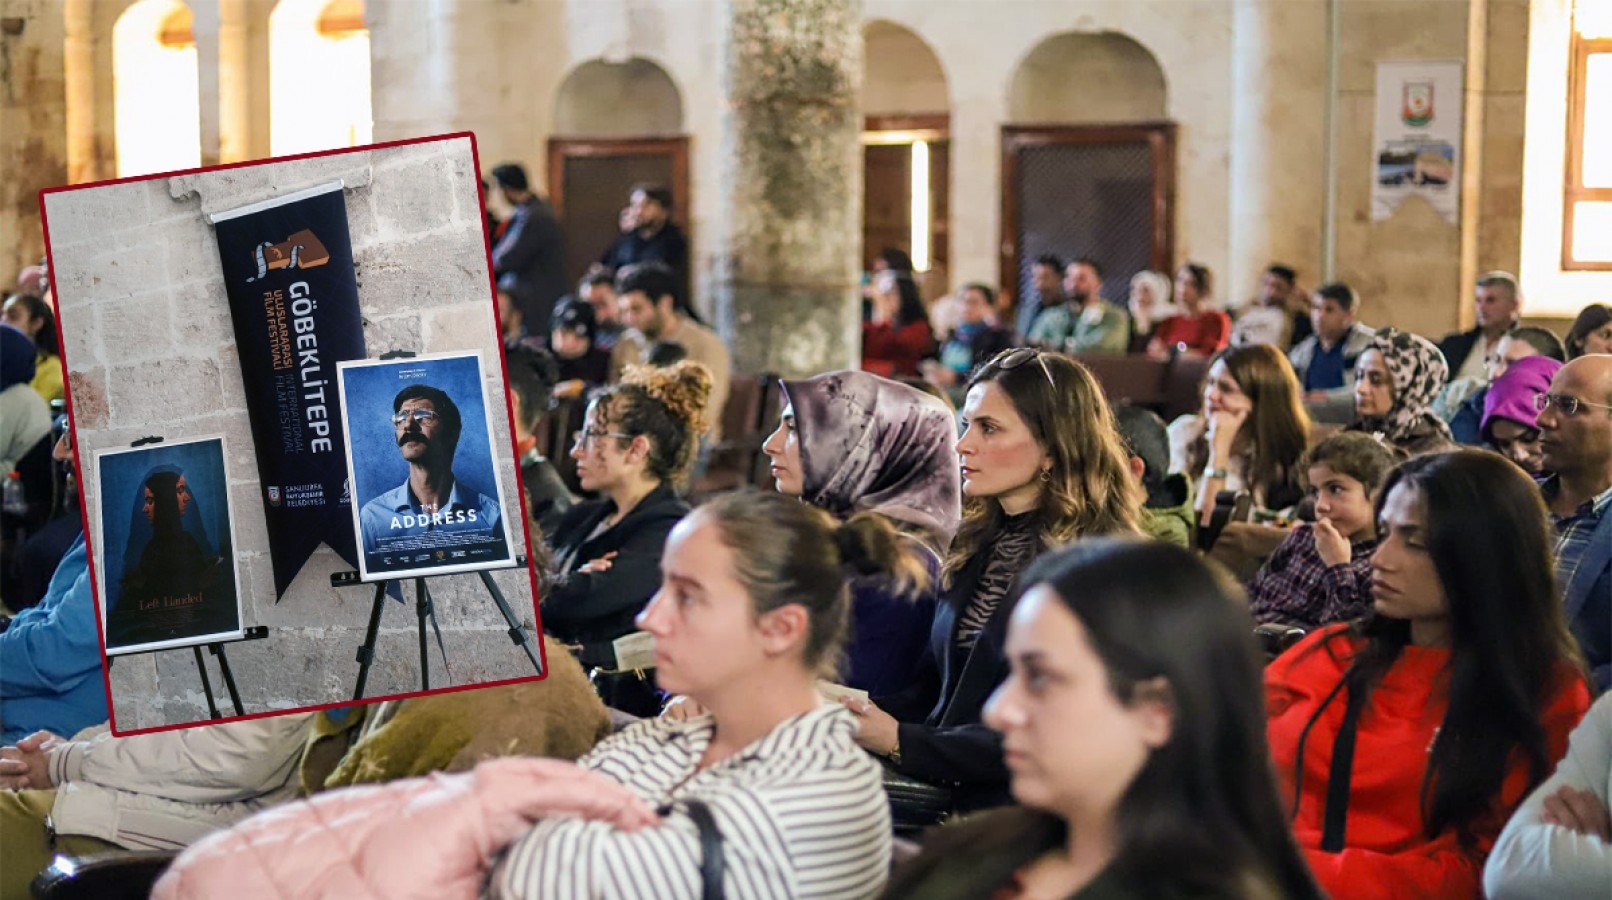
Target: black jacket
[[1455, 347], [597, 607], [547, 497], [529, 261], [943, 739]]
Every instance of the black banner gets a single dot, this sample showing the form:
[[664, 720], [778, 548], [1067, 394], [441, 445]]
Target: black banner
[[288, 265]]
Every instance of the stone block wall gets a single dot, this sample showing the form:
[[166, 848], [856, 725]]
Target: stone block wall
[[150, 350]]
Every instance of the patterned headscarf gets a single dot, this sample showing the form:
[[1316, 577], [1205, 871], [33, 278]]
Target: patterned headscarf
[[1419, 372], [869, 443]]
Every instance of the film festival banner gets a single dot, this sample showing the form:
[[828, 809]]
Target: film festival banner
[[427, 493], [288, 264], [1416, 149], [167, 541]]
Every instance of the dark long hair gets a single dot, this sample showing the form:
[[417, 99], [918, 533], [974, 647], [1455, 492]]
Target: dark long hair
[[1202, 816], [1489, 537], [912, 303], [37, 308], [1589, 319], [1278, 429]]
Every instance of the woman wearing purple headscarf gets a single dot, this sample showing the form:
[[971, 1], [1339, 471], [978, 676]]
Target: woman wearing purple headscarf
[[853, 442], [1510, 419]]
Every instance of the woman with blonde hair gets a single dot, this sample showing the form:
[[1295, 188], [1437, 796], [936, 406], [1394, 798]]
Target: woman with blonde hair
[[1043, 465]]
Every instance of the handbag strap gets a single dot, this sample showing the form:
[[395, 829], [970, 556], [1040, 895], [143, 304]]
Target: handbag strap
[[1335, 819], [711, 860]]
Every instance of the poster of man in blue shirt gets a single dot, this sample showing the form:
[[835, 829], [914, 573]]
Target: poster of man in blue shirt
[[424, 459]]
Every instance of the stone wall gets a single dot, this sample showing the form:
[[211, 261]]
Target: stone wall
[[33, 113], [149, 347]]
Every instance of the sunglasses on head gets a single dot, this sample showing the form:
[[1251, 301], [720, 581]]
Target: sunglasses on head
[[1012, 359]]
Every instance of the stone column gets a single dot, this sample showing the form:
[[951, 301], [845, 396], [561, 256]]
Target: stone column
[[33, 125], [790, 220], [1278, 141]]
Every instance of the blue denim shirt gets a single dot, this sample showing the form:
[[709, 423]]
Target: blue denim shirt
[[397, 513]]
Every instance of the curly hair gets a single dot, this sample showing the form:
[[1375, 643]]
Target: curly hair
[[666, 405]]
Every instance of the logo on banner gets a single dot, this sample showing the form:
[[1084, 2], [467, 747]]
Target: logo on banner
[[302, 250], [274, 496], [1418, 106]]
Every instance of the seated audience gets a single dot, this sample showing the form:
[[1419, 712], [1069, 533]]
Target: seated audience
[[976, 339], [1084, 324], [24, 416], [1321, 573], [751, 611], [851, 442], [1046, 292], [1325, 361], [1030, 482], [1510, 422], [636, 446], [1559, 842], [532, 376], [583, 364], [50, 654], [1197, 329], [1250, 434], [1396, 379], [897, 336], [598, 290], [1265, 320], [1133, 732], [34, 318], [1575, 424], [647, 298], [1406, 739], [1168, 514], [1498, 303], [1149, 304], [1467, 419], [1591, 331]]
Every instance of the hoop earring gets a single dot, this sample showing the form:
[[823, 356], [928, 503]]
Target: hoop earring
[[1046, 475]]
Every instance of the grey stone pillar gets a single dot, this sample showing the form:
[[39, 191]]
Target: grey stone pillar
[[790, 221]]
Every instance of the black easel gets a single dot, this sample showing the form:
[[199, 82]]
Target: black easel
[[255, 633], [423, 610]]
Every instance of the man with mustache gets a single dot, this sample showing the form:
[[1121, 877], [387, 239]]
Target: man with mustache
[[432, 499]]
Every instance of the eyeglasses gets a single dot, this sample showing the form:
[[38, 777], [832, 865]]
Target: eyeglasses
[[586, 439], [422, 416], [1566, 403], [1012, 359]]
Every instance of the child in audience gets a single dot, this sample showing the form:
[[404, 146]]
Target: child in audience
[[1406, 739], [1321, 573], [1133, 731]]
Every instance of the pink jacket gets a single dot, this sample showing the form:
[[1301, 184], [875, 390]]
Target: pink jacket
[[421, 837]]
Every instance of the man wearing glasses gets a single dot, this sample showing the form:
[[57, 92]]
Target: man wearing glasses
[[432, 499], [1575, 424]]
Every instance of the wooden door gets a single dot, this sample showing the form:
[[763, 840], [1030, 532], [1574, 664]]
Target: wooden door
[[591, 180]]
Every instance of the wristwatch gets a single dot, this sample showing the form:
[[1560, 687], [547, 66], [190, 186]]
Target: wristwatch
[[1215, 473], [895, 752]]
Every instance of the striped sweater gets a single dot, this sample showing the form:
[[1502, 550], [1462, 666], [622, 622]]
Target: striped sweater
[[802, 813]]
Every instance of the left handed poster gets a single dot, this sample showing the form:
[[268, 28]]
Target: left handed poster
[[168, 572]]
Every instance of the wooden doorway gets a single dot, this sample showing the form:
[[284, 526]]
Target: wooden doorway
[[591, 179], [1102, 191], [889, 159]]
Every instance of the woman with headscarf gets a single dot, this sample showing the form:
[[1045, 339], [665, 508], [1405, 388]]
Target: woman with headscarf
[[1149, 304], [1510, 418], [173, 564], [1396, 379], [851, 442]]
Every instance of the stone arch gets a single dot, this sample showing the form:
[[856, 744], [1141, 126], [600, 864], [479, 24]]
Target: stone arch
[[319, 76], [1078, 78], [156, 88], [636, 98], [903, 74]]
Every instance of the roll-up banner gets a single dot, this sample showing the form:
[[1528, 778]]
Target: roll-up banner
[[288, 265]]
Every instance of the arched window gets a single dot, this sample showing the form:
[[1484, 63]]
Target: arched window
[[319, 96], [155, 89], [1587, 202]]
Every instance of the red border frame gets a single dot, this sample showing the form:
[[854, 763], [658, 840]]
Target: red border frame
[[492, 299]]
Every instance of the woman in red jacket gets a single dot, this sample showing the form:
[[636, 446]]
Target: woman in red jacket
[[1196, 330], [1407, 739], [898, 335]]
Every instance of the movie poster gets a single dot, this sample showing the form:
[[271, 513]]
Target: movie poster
[[293, 295], [427, 497], [1417, 143], [167, 547]]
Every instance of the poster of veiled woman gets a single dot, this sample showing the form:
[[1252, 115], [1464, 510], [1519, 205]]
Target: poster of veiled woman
[[168, 574]]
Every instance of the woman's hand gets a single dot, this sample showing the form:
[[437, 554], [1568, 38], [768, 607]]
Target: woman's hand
[[682, 708], [876, 730], [569, 390], [1579, 811], [1223, 427], [23, 767], [602, 564], [1332, 547]]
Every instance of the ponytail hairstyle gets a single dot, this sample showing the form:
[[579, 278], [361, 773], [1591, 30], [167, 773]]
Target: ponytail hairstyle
[[667, 406], [785, 551]]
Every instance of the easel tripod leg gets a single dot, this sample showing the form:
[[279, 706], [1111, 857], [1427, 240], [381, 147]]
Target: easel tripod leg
[[229, 677], [422, 609], [366, 653], [516, 632], [207, 686]]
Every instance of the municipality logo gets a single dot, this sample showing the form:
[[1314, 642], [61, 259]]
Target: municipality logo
[[274, 495], [302, 250], [1417, 110]]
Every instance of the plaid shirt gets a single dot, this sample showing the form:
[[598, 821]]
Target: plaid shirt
[[1295, 587], [1573, 531]]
